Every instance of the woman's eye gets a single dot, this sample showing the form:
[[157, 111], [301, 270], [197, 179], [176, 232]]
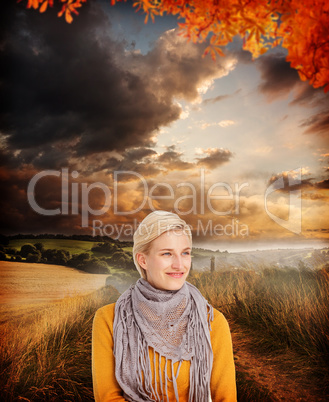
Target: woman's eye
[[186, 253], [166, 254]]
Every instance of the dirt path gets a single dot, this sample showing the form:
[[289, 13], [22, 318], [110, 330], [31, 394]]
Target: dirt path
[[275, 374]]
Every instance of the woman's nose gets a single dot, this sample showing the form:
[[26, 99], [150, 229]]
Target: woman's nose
[[177, 262]]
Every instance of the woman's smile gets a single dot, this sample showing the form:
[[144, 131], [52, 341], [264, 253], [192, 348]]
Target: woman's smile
[[175, 274]]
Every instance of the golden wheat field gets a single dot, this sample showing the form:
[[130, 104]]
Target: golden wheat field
[[29, 287], [45, 331]]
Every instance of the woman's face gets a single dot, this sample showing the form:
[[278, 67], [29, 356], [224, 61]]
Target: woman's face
[[168, 261]]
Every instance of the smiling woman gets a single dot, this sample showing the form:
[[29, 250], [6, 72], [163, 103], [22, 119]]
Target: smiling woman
[[168, 261], [162, 340], [162, 250]]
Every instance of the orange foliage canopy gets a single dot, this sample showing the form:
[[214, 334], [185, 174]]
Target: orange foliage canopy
[[301, 27]]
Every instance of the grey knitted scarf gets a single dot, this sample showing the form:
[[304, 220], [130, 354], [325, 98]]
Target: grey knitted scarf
[[176, 325]]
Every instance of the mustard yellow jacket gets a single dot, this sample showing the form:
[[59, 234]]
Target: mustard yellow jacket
[[106, 387]]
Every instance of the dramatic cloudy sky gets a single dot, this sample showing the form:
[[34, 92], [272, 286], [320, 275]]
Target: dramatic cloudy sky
[[106, 119]]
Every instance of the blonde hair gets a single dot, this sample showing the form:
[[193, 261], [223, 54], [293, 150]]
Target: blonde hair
[[153, 226]]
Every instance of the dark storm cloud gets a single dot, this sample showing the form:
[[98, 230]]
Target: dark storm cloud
[[65, 82], [138, 160], [134, 159], [75, 98], [286, 182], [277, 76], [293, 184], [322, 185], [147, 162], [45, 157], [309, 96], [175, 67], [216, 157], [317, 124], [244, 56], [279, 79], [70, 90], [172, 160], [137, 154], [150, 164], [19, 216], [5, 159]]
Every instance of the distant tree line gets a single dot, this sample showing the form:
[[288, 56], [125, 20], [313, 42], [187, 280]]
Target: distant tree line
[[115, 256], [5, 239]]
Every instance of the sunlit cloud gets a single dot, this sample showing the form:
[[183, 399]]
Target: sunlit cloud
[[185, 112], [205, 86], [226, 123], [223, 123]]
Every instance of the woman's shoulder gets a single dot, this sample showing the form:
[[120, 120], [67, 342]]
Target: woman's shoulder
[[218, 316], [219, 323], [106, 313]]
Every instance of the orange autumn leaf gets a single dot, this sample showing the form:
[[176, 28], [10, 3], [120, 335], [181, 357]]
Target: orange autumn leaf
[[68, 8], [301, 27], [33, 3], [45, 4]]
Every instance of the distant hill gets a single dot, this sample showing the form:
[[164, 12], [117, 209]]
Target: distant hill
[[252, 260], [90, 238], [258, 259]]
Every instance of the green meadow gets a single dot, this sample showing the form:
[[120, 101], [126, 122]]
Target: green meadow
[[72, 246]]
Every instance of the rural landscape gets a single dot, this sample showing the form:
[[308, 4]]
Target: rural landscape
[[214, 110], [276, 302]]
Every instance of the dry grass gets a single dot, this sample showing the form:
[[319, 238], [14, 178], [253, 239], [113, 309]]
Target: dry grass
[[284, 311], [48, 356]]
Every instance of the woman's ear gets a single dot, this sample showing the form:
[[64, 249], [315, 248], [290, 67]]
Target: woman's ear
[[141, 259]]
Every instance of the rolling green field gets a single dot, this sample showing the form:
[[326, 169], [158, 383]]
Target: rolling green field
[[73, 246]]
